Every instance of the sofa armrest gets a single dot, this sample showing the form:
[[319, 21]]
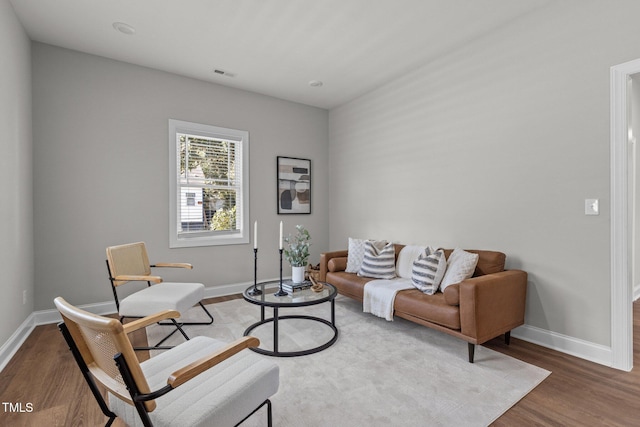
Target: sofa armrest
[[324, 261], [492, 304]]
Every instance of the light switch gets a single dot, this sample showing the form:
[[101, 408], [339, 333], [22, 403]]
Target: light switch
[[591, 207]]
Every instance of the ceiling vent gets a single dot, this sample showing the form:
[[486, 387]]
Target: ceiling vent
[[223, 73]]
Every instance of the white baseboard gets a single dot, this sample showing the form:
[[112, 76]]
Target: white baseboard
[[636, 293], [45, 317], [565, 344], [14, 342]]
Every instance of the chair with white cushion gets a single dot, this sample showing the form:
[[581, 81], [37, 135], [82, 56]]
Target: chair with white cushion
[[130, 263], [201, 382]]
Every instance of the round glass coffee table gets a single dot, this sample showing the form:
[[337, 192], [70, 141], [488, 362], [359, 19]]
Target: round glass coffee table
[[267, 298]]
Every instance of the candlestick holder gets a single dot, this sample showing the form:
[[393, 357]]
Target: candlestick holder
[[281, 292], [255, 291]]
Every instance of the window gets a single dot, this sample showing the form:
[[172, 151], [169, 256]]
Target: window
[[209, 170]]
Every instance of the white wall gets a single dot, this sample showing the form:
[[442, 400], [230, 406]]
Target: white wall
[[101, 170], [16, 220], [496, 145]]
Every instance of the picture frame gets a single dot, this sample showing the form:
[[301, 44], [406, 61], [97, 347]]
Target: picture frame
[[294, 185]]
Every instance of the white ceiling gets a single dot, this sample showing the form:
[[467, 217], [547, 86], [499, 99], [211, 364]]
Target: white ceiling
[[273, 47]]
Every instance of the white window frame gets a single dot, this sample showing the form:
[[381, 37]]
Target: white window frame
[[207, 238]]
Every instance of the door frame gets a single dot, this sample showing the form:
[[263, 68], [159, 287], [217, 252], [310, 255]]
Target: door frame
[[621, 289]]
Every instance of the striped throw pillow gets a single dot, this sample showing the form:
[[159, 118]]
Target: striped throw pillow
[[428, 270], [379, 261]]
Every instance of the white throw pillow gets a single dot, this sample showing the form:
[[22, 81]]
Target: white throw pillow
[[378, 262], [406, 257], [460, 266], [428, 270], [355, 255]]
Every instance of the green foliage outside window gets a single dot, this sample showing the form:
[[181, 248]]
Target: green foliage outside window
[[224, 219]]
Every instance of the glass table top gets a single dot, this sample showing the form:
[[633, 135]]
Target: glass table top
[[300, 298]]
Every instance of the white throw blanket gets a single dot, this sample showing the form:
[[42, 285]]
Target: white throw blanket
[[379, 296]]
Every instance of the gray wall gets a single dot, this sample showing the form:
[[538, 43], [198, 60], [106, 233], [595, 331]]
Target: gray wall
[[16, 208], [101, 170], [496, 145]]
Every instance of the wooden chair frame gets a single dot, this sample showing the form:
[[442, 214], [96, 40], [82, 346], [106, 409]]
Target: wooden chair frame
[[135, 389]]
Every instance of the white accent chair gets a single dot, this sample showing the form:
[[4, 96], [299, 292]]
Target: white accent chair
[[130, 263], [201, 382]]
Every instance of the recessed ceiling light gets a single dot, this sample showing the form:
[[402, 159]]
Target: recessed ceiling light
[[315, 83], [124, 28]]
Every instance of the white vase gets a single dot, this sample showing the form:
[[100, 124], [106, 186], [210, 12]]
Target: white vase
[[297, 274]]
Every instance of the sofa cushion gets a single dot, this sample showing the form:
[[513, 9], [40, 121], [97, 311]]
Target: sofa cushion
[[379, 261], [428, 270], [348, 284], [460, 266], [452, 294], [406, 257], [337, 264], [489, 262], [431, 308]]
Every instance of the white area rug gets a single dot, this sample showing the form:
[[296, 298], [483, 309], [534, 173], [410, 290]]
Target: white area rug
[[378, 373]]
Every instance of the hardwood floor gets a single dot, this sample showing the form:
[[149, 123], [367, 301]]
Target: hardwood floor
[[577, 393]]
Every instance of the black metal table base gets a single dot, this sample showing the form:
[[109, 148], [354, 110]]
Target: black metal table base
[[275, 319], [304, 299]]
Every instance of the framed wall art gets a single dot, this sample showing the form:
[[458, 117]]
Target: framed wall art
[[294, 185]]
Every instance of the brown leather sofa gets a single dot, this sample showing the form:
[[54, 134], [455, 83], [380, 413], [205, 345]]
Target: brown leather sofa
[[489, 304]]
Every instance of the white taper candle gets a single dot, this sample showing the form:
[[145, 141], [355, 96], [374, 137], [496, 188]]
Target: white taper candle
[[255, 235]]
